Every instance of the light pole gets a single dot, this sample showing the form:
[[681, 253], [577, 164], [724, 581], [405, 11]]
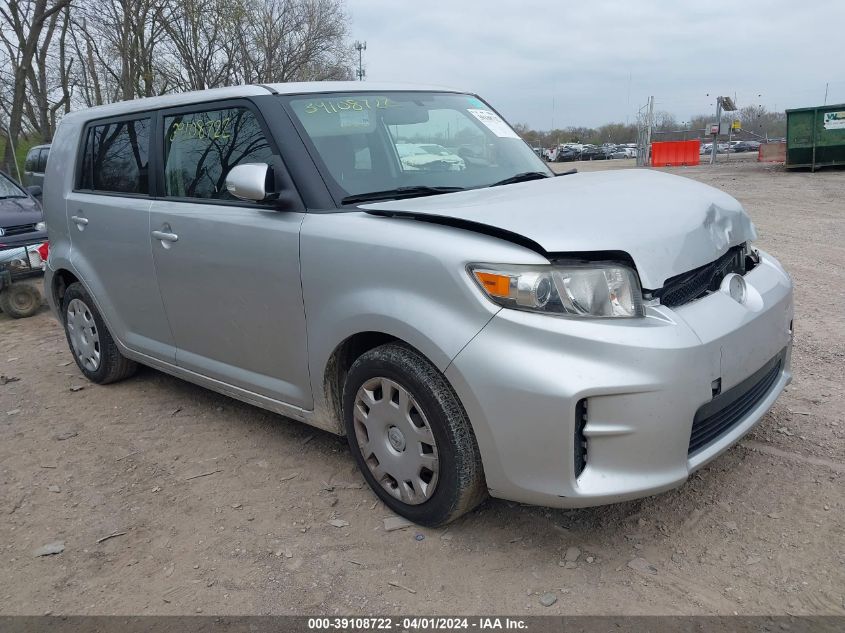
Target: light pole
[[726, 104], [360, 47]]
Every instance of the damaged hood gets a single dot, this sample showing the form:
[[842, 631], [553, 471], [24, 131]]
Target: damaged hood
[[667, 224]]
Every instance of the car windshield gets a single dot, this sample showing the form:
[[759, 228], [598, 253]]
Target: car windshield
[[381, 142], [8, 189]]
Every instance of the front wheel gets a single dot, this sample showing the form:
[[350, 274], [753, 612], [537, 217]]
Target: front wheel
[[94, 350], [411, 437]]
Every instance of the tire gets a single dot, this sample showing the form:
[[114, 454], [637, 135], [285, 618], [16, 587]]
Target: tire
[[458, 483], [111, 365], [20, 300]]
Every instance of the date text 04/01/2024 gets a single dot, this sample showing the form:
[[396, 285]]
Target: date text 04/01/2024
[[416, 623]]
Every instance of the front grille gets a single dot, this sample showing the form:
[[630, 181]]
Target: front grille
[[20, 229], [697, 283], [726, 410]]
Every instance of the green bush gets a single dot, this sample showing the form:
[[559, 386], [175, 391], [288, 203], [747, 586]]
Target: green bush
[[23, 146]]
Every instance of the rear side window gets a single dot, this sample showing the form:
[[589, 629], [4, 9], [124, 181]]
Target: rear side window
[[31, 163], [116, 157], [200, 149], [42, 161]]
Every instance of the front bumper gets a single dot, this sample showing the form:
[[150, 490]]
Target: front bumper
[[642, 380]]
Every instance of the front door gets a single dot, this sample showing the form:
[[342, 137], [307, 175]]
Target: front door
[[228, 270]]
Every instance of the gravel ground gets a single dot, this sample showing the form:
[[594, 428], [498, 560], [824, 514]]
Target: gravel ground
[[169, 499]]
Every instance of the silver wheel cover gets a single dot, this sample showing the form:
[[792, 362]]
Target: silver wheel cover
[[396, 440], [83, 334]]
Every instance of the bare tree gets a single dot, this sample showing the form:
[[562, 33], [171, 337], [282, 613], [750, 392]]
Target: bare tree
[[117, 41], [59, 54], [200, 43], [293, 40], [665, 121], [26, 42]]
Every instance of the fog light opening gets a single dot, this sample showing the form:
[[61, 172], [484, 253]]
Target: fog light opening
[[716, 387], [580, 439]]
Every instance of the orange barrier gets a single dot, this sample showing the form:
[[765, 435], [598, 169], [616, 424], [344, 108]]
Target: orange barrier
[[772, 153], [675, 153]]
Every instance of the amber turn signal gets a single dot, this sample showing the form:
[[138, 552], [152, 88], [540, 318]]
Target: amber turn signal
[[496, 285]]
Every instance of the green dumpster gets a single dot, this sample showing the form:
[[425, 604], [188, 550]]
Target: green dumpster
[[815, 137]]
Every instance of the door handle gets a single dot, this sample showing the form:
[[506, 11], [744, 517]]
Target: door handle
[[80, 221], [164, 236]]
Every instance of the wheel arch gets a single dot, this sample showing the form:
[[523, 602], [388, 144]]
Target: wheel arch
[[345, 353], [339, 362], [62, 278]]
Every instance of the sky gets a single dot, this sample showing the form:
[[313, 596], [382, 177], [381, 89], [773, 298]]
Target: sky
[[584, 63]]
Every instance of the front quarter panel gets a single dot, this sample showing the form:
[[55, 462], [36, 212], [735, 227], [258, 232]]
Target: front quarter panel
[[401, 277]]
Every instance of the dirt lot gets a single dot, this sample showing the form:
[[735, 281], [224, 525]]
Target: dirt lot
[[761, 530]]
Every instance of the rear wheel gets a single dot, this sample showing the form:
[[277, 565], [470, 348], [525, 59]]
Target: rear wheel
[[94, 350], [20, 300], [411, 437]]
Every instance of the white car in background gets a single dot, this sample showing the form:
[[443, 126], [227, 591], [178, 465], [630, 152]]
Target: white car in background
[[623, 151], [429, 157]]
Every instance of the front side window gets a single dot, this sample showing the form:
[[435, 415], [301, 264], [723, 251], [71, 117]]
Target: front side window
[[116, 157], [9, 189], [380, 142], [201, 148]]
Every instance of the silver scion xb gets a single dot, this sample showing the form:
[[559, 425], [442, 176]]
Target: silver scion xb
[[394, 264]]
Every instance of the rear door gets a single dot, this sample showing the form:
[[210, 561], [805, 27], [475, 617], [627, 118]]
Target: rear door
[[228, 270], [109, 224]]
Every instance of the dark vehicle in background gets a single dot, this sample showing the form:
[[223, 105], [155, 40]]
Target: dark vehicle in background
[[596, 153], [746, 146], [589, 152], [567, 154], [34, 166], [22, 228], [21, 220]]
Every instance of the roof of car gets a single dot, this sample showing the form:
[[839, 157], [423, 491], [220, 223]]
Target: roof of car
[[232, 92]]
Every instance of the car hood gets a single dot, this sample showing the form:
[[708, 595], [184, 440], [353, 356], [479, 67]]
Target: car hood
[[16, 211], [667, 224]]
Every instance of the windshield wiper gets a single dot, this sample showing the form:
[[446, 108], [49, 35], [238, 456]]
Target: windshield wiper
[[523, 177], [398, 193]]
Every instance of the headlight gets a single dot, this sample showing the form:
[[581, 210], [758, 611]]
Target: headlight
[[41, 226], [584, 290]]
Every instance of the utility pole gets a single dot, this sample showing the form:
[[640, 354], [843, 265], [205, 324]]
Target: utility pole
[[826, 87], [360, 47], [713, 149], [726, 104], [648, 133]]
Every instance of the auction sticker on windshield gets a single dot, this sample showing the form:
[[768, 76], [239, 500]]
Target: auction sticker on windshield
[[493, 122], [354, 118]]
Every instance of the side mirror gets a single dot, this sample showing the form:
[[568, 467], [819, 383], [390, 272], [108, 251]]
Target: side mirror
[[34, 190], [249, 182]]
